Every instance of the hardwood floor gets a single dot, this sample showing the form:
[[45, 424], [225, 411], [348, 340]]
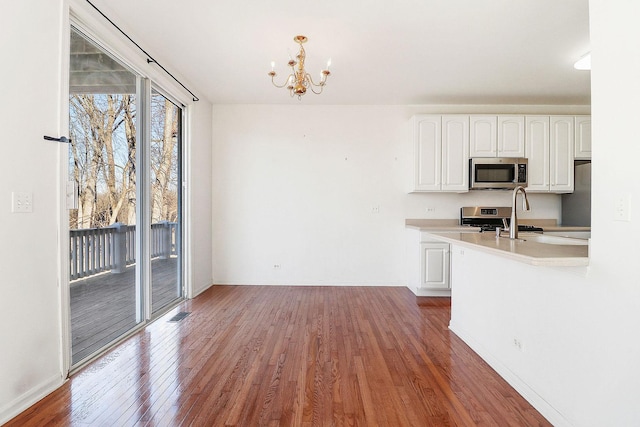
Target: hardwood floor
[[290, 356]]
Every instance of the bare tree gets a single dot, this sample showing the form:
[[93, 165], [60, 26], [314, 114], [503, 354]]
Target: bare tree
[[103, 155], [164, 159], [95, 120]]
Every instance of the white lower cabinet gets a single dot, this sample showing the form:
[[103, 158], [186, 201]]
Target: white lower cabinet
[[434, 265], [427, 263]]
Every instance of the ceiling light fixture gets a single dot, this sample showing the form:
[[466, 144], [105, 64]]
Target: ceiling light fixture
[[299, 80], [583, 63]]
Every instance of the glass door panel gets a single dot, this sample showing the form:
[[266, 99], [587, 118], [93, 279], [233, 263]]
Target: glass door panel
[[103, 166], [166, 195]]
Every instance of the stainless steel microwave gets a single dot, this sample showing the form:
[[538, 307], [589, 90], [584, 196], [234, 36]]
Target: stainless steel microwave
[[497, 173]]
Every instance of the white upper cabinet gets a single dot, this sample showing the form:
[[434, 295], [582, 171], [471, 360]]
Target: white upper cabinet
[[561, 157], [483, 136], [510, 136], [455, 153], [441, 153], [427, 140], [537, 152], [549, 149], [583, 137], [443, 145], [496, 136]]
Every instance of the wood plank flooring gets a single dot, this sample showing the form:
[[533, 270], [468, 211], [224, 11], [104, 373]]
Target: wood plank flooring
[[290, 356], [103, 307]]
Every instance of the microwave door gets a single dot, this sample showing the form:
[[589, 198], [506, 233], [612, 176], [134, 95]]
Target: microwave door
[[494, 175]]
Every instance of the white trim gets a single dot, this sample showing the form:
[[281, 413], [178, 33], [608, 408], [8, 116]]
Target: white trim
[[529, 394], [187, 212], [87, 31], [185, 219], [64, 295], [11, 409], [196, 292], [389, 284], [143, 200], [86, 19]]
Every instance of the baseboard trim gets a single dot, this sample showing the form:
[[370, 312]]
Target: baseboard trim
[[24, 401], [529, 394], [302, 284], [198, 291]]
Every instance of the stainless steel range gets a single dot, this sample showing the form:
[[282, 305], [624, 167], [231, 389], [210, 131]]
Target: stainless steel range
[[490, 218]]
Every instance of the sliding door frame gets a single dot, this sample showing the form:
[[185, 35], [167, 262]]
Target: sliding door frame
[[82, 20], [181, 184]]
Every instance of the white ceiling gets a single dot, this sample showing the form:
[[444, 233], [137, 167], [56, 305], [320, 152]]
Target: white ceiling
[[383, 52]]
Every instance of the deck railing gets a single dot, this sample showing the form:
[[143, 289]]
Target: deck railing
[[113, 248]]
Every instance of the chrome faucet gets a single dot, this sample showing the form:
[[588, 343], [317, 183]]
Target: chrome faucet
[[513, 225]]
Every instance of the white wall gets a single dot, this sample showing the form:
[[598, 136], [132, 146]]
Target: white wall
[[199, 197], [34, 49], [30, 338], [579, 328], [296, 186]]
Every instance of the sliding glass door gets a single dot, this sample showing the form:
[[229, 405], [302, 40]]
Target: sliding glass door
[[166, 199], [125, 230]]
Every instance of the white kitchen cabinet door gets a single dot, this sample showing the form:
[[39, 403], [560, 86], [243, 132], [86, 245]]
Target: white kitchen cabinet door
[[537, 152], [561, 157], [583, 138], [434, 269], [455, 153], [510, 136], [483, 136], [427, 139]]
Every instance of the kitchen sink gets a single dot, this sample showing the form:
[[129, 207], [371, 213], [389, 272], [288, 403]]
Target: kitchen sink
[[555, 240]]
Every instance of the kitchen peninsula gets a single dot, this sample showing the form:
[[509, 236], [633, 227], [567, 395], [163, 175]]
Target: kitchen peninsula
[[430, 245], [505, 294], [530, 248]]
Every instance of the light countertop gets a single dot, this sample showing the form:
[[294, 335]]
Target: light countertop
[[523, 250], [435, 225]]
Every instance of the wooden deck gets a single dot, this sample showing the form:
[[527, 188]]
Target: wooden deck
[[103, 306]]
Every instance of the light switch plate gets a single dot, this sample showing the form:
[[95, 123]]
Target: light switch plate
[[622, 208], [21, 202]]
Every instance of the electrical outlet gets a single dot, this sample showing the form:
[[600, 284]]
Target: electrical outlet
[[21, 202], [277, 266], [431, 210], [622, 208], [375, 209]]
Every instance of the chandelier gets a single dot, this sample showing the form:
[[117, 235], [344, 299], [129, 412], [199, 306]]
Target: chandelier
[[299, 80]]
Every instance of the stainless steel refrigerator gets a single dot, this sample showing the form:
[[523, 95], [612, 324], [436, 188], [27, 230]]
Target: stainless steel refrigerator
[[576, 207]]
